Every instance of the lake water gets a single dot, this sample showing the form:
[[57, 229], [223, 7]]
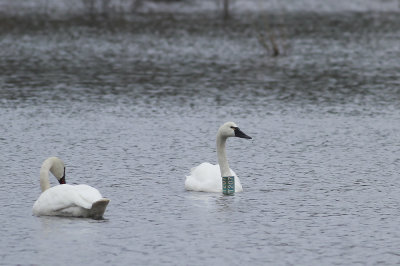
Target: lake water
[[132, 104]]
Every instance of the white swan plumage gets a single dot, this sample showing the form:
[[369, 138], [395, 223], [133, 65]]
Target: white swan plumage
[[64, 199], [207, 177]]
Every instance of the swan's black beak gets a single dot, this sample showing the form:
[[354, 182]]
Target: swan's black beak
[[62, 179], [240, 134]]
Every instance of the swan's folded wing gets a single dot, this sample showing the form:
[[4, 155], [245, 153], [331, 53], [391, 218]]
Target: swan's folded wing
[[88, 193], [58, 198], [207, 177]]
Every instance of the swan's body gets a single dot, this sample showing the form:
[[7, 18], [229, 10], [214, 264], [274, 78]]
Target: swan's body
[[67, 200], [208, 177]]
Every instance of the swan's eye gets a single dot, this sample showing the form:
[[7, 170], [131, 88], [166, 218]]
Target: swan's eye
[[234, 128]]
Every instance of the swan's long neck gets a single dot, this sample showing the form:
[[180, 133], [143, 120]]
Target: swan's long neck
[[44, 176], [222, 160]]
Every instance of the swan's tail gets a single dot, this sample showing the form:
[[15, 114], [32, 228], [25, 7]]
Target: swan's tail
[[98, 208]]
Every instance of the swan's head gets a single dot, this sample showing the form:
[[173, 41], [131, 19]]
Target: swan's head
[[58, 169], [230, 129]]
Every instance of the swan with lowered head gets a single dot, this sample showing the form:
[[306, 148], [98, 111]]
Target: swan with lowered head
[[208, 177], [67, 200]]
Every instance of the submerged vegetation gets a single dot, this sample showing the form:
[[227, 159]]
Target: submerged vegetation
[[139, 15], [272, 39]]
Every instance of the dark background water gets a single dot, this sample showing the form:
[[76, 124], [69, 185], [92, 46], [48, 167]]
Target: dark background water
[[132, 101]]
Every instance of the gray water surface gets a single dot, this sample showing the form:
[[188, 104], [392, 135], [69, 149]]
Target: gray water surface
[[132, 105]]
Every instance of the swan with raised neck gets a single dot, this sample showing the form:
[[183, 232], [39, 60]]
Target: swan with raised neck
[[208, 177], [229, 129]]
